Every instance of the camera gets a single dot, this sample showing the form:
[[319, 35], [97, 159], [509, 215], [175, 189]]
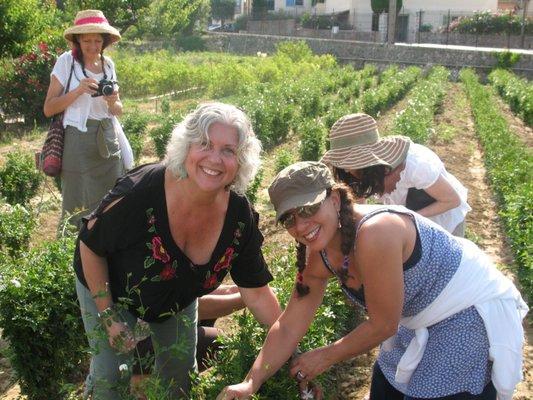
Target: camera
[[105, 88]]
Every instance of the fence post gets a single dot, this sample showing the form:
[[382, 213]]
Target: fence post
[[391, 25], [523, 27], [448, 27], [419, 25]]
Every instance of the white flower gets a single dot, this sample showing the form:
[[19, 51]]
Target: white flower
[[123, 367], [16, 283], [307, 394]]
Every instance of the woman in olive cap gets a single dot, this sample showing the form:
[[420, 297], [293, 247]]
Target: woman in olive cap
[[435, 302]]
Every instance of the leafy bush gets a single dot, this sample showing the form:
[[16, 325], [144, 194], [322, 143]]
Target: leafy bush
[[506, 59], [134, 125], [517, 92], [16, 227], [25, 23], [270, 113], [416, 120], [486, 22], [509, 166], [296, 50], [161, 134], [38, 301], [191, 43], [251, 193], [241, 22], [284, 158], [19, 180], [393, 86], [313, 140], [26, 82]]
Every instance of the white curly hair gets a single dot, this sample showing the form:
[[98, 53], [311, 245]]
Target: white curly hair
[[194, 128]]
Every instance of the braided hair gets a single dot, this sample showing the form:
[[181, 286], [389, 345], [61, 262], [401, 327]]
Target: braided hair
[[347, 228]]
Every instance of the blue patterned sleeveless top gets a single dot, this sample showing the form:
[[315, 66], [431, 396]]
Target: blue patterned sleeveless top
[[456, 358]]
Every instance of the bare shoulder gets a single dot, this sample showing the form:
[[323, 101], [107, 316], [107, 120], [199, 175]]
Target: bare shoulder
[[382, 232]]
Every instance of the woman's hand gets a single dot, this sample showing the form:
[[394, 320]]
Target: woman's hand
[[112, 98], [307, 366], [119, 334], [88, 86], [242, 391]]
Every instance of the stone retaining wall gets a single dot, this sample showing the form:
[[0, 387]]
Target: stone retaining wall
[[360, 53]]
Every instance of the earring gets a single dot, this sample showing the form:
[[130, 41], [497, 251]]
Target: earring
[[339, 223]]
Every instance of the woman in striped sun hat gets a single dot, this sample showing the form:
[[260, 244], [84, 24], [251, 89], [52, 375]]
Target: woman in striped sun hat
[[396, 170]]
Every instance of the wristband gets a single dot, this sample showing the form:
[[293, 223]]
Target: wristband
[[106, 313]]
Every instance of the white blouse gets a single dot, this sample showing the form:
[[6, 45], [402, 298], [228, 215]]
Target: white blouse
[[422, 169], [85, 106]]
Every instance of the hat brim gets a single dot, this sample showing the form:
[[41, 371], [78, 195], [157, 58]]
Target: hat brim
[[304, 199], [390, 151], [92, 28]]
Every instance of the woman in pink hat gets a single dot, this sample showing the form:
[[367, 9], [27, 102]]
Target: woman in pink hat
[[396, 170], [83, 87]]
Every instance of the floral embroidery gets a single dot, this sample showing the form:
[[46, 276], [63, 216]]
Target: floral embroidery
[[167, 273], [225, 260], [210, 281], [224, 263], [159, 253]]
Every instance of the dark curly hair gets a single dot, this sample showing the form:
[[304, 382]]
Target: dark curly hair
[[371, 181], [347, 222]]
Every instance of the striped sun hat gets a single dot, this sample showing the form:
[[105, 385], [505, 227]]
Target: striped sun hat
[[91, 21], [355, 144]]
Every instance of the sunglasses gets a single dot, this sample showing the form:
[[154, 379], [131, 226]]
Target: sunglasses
[[288, 220]]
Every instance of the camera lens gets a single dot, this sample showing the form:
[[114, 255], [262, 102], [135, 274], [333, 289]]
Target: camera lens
[[107, 90]]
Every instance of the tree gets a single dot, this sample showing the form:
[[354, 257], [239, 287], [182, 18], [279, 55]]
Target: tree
[[120, 13], [259, 9], [24, 23], [223, 9], [171, 18], [381, 6]]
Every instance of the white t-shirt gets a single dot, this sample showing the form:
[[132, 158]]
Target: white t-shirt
[[84, 107], [422, 169]]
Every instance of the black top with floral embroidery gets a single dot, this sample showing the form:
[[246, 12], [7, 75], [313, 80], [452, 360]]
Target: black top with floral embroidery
[[145, 264]]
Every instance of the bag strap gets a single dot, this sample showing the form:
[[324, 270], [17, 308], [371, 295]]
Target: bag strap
[[60, 116], [69, 77]]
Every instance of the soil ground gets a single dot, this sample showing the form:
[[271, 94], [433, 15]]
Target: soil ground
[[454, 141]]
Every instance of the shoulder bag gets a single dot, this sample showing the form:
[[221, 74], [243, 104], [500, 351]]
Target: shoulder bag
[[52, 151]]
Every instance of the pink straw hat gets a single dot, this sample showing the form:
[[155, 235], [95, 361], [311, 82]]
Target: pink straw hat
[[355, 144], [91, 21]]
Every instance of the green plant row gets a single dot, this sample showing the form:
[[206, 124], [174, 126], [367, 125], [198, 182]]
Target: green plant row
[[41, 320], [510, 168], [424, 100], [243, 345], [517, 92], [393, 86]]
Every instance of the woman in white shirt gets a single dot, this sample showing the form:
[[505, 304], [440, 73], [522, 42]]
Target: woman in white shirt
[[83, 87], [398, 171]]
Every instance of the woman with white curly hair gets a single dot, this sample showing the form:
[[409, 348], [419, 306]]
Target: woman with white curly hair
[[167, 234]]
